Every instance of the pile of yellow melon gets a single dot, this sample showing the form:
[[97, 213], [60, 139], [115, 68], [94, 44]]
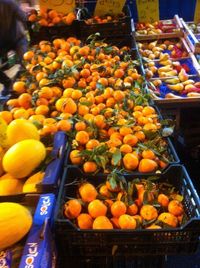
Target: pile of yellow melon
[[21, 152]]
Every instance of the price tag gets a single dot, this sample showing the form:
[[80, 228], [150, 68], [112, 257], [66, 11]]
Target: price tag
[[64, 6], [148, 10], [197, 12], [111, 7]]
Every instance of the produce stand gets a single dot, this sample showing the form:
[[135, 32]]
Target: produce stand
[[94, 107]]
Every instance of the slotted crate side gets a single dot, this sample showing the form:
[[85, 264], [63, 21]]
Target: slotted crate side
[[75, 242], [115, 262], [51, 33]]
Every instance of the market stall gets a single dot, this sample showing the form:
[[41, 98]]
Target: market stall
[[89, 175]]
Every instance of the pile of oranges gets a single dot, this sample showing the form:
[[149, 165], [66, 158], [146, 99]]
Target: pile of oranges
[[104, 207], [104, 19], [50, 17], [95, 93]]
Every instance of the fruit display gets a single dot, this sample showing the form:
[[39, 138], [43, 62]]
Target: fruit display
[[152, 50], [172, 73], [104, 110], [21, 172], [98, 213], [49, 17], [117, 204], [157, 27], [104, 19]]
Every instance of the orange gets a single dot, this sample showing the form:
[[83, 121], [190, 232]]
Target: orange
[[140, 135], [101, 223], [85, 73], [67, 93], [130, 161], [20, 113], [113, 142], [7, 116], [87, 192], [118, 95], [148, 110], [154, 226], [99, 121], [127, 222], [75, 158], [91, 144], [118, 208], [126, 148], [13, 103], [148, 154], [82, 137], [147, 165], [83, 109], [95, 110], [163, 200], [125, 131], [175, 207], [42, 109], [45, 92], [48, 129], [130, 139], [42, 101], [116, 135], [28, 55], [148, 212], [84, 221], [69, 106], [72, 209], [24, 100], [89, 167], [76, 94], [169, 219], [19, 87], [64, 125], [97, 208], [119, 73], [150, 126], [80, 126], [132, 209], [108, 92]]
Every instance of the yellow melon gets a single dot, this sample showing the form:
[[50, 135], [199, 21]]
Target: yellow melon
[[10, 185], [24, 157], [15, 223], [21, 129], [31, 182]]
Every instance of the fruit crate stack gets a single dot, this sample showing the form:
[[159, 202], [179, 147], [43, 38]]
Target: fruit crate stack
[[162, 29], [114, 29], [73, 240], [50, 24]]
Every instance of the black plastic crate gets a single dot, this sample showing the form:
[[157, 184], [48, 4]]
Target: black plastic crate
[[123, 26], [72, 241], [171, 150], [50, 33], [114, 262]]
